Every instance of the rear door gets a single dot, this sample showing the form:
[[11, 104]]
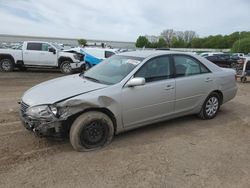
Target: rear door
[[32, 53], [194, 82], [155, 99]]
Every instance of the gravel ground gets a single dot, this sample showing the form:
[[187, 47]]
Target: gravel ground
[[185, 152]]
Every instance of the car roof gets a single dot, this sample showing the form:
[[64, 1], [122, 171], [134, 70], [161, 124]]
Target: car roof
[[150, 53]]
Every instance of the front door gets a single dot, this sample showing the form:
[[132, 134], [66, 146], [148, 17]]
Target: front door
[[155, 99], [48, 58]]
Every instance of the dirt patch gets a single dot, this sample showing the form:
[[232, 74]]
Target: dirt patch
[[185, 152]]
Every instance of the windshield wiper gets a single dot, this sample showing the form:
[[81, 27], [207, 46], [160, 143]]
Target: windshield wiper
[[92, 79]]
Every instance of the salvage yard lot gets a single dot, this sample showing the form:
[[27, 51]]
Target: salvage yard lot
[[185, 152]]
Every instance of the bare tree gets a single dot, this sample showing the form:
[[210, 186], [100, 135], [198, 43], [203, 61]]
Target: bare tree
[[179, 35], [168, 35], [189, 36]]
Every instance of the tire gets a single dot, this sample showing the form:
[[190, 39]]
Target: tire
[[91, 131], [87, 66], [210, 107], [243, 79], [65, 67], [6, 65]]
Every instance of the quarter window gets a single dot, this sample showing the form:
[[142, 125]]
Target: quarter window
[[34, 46], [155, 69], [187, 66], [108, 54]]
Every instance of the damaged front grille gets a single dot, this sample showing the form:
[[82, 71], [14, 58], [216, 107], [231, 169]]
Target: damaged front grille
[[23, 108]]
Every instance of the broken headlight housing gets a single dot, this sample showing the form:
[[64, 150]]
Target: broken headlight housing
[[44, 112]]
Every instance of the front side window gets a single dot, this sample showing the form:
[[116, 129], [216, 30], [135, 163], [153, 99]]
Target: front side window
[[45, 47], [155, 69], [34, 46], [187, 66]]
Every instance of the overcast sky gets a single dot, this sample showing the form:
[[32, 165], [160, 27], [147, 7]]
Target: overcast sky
[[121, 20]]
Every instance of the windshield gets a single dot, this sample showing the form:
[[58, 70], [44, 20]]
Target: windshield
[[57, 46], [112, 70]]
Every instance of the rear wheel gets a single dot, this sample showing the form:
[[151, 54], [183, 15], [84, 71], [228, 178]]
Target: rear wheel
[[6, 65], [210, 107], [90, 131], [66, 67], [243, 79]]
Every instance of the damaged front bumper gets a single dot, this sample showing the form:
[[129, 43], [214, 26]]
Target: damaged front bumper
[[43, 128], [77, 65]]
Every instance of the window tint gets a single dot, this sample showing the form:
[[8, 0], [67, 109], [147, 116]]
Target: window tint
[[108, 54], [186, 66], [155, 69], [34, 46], [45, 47]]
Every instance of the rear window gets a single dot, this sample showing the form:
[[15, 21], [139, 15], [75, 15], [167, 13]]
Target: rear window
[[34, 46]]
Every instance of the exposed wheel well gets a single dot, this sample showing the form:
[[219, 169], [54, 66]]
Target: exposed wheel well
[[62, 59], [106, 111], [220, 95], [7, 56]]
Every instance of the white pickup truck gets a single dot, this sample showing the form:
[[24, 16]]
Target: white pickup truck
[[40, 55]]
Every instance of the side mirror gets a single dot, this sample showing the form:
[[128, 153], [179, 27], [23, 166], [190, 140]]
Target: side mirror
[[53, 50], [136, 82]]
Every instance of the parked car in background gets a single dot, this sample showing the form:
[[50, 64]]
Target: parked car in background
[[224, 60], [205, 54], [126, 91], [39, 55], [240, 55], [94, 56]]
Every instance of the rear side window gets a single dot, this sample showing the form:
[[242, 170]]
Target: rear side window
[[34, 46], [187, 66], [155, 69], [108, 54]]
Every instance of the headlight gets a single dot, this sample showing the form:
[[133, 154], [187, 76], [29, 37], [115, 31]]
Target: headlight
[[54, 110], [42, 112], [76, 57]]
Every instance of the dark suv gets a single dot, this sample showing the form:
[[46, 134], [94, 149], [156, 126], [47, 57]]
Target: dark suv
[[224, 60]]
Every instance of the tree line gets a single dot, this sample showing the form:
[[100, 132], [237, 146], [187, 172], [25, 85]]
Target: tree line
[[237, 41]]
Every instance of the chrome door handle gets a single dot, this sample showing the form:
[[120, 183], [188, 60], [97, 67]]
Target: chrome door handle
[[169, 87]]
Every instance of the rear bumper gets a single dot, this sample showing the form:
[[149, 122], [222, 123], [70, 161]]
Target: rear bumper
[[229, 94]]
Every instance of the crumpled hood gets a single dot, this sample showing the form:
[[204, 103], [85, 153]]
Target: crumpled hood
[[59, 89]]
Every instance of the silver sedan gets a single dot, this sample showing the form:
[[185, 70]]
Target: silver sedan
[[126, 91]]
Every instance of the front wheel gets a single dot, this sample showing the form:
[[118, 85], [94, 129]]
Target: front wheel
[[90, 131], [210, 107], [6, 65], [66, 67]]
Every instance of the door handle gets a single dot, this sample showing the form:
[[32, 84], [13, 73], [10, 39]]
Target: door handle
[[209, 80], [169, 87]]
